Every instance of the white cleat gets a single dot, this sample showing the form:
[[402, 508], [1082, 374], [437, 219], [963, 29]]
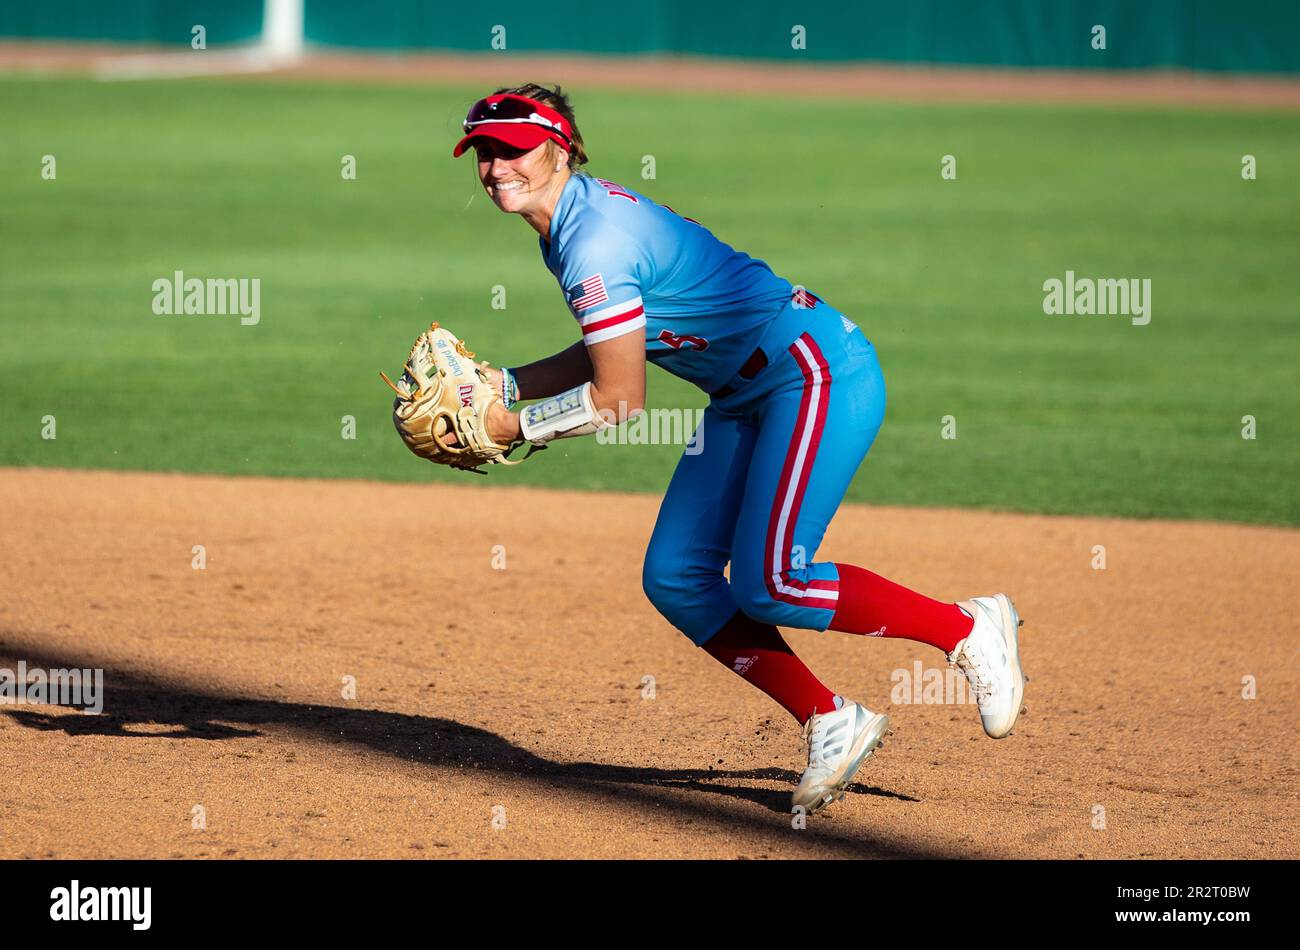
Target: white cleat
[[838, 743], [990, 658]]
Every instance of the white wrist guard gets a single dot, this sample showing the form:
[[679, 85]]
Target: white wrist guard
[[562, 417]]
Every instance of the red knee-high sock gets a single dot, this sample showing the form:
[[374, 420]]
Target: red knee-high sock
[[871, 605], [757, 652]]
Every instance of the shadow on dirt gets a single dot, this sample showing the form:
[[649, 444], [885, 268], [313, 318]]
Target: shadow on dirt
[[141, 707]]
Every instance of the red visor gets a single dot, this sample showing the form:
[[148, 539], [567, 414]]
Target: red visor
[[516, 120]]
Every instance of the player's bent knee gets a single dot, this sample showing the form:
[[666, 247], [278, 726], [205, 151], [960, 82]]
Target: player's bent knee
[[691, 596], [672, 598], [661, 583]]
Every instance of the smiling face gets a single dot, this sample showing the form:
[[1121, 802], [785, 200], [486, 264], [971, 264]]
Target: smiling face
[[521, 181]]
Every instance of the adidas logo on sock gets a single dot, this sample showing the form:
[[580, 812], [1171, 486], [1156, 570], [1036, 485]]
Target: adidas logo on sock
[[743, 663]]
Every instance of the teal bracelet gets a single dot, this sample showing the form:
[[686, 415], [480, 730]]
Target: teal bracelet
[[509, 388]]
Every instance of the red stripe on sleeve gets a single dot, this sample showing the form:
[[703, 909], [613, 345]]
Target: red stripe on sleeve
[[611, 321]]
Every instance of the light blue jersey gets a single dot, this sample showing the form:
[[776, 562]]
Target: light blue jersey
[[796, 398], [628, 265]]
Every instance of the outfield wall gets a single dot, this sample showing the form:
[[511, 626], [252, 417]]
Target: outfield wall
[[1216, 35], [132, 21]]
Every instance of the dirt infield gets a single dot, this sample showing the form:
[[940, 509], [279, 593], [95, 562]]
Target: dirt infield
[[224, 685], [691, 74]]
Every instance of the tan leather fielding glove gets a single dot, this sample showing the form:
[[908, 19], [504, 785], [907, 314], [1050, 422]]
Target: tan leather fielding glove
[[442, 404]]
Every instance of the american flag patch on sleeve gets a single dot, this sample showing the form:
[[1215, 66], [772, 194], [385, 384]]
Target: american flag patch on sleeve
[[589, 292]]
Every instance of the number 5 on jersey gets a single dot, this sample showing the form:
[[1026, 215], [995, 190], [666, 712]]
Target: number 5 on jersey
[[686, 339]]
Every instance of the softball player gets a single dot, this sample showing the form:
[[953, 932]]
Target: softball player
[[797, 397]]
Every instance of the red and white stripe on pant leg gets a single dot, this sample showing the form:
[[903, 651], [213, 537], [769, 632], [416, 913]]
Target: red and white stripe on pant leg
[[794, 482]]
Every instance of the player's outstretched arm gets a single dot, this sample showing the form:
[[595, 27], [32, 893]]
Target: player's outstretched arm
[[615, 369], [613, 391]]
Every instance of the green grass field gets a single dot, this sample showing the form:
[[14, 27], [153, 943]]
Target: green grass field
[[1055, 414]]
